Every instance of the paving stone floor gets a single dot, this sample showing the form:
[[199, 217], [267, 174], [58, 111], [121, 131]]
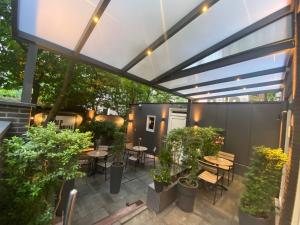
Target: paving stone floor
[[95, 202]]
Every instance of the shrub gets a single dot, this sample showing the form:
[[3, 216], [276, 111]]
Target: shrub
[[34, 169], [263, 181], [161, 174]]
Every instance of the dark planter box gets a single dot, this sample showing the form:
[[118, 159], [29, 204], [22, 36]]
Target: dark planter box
[[186, 196], [247, 219], [116, 173]]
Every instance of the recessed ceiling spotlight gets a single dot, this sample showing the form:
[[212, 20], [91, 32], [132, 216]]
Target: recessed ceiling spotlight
[[244, 88], [238, 79], [196, 86], [204, 9], [208, 93], [149, 52], [95, 19]]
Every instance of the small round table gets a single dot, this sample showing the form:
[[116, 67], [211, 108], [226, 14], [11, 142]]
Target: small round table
[[218, 161], [140, 151], [96, 155]]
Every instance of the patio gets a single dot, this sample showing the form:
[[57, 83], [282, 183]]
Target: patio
[[230, 73]]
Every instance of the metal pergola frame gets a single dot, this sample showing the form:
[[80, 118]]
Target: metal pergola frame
[[177, 71]]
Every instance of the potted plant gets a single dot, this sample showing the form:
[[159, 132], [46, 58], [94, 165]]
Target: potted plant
[[35, 171], [116, 171], [161, 177], [262, 186]]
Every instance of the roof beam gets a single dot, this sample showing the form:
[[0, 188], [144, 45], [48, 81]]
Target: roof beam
[[227, 41], [233, 59], [91, 24], [197, 11], [241, 94], [237, 87], [233, 78]]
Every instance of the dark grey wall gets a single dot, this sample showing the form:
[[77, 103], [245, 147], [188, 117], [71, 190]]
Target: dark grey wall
[[245, 124]]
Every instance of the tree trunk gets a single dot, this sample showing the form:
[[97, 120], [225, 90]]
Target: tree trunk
[[61, 97], [36, 88]]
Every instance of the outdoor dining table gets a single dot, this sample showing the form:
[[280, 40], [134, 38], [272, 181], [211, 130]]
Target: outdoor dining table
[[96, 154], [140, 151]]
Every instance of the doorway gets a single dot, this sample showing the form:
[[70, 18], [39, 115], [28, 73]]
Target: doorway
[[177, 118]]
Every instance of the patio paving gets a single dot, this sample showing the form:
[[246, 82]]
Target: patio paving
[[95, 202]]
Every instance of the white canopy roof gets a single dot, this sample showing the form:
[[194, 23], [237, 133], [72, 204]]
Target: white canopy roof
[[221, 47]]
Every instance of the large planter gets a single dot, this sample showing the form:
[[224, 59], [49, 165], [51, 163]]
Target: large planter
[[158, 186], [68, 186], [116, 173], [247, 219], [186, 195]]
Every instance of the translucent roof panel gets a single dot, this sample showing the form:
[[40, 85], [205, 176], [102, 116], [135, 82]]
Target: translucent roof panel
[[241, 91], [263, 63], [128, 27], [277, 31], [57, 21], [219, 22], [237, 83]]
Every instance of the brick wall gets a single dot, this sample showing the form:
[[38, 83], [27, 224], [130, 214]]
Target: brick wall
[[18, 114]]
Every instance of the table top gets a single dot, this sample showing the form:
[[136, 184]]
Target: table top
[[139, 148], [97, 154], [218, 161], [88, 149]]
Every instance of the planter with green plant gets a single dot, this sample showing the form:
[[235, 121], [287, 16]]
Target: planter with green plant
[[35, 171], [262, 186], [161, 177], [116, 171]]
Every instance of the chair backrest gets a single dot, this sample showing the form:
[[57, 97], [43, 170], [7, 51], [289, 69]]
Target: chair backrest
[[102, 148], [209, 167], [129, 146], [154, 150], [226, 155]]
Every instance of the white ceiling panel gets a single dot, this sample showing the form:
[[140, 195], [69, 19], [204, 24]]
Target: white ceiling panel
[[59, 21], [237, 83], [277, 31], [263, 63], [222, 20], [128, 27], [241, 91]]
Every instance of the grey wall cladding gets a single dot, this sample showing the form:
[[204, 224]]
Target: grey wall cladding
[[18, 114]]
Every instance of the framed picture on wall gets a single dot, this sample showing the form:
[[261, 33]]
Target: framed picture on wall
[[150, 124]]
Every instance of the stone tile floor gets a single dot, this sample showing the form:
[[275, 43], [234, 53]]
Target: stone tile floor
[[95, 202]]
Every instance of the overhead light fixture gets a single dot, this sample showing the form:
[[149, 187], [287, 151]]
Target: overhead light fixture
[[204, 9], [148, 52], [96, 19], [244, 88], [208, 93], [238, 79], [196, 86]]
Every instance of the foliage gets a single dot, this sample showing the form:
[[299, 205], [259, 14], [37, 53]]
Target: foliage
[[191, 143], [161, 174], [10, 94], [103, 130], [165, 157], [34, 169], [263, 181], [118, 145]]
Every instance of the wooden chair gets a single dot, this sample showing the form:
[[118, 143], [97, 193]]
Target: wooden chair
[[84, 163], [211, 174], [106, 163], [151, 155], [228, 169], [102, 147]]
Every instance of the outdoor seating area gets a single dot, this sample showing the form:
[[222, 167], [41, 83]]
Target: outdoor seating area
[[155, 112]]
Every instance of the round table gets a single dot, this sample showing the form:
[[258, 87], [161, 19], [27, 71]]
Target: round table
[[218, 161], [88, 150], [96, 155], [139, 148]]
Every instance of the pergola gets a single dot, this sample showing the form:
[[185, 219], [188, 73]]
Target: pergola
[[197, 49]]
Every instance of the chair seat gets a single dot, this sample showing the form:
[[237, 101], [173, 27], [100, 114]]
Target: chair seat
[[133, 158], [225, 167], [209, 177], [83, 161], [102, 164]]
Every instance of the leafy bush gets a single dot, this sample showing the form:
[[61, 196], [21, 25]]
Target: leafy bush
[[34, 169], [161, 174], [118, 145], [263, 181], [101, 130]]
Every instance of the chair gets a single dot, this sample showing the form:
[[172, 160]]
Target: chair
[[84, 163], [151, 155], [211, 174], [106, 163], [229, 169], [132, 156], [102, 147]]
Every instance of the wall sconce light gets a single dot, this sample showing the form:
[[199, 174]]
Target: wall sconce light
[[140, 106], [130, 117], [163, 119], [196, 124]]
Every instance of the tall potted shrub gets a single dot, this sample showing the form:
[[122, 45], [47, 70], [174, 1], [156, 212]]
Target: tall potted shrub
[[161, 177], [116, 171], [36, 170], [262, 186]]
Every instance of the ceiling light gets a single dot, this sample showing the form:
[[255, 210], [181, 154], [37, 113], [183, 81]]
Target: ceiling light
[[204, 8], [95, 19], [238, 79], [149, 52], [244, 88], [208, 93], [196, 86]]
